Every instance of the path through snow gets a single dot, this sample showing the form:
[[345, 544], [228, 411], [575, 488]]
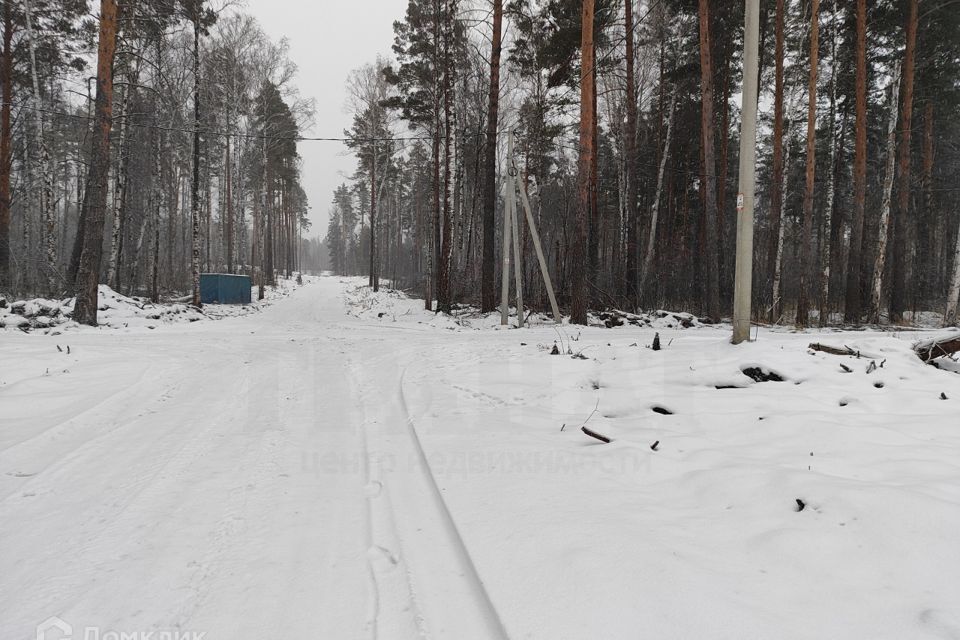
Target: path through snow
[[302, 472]]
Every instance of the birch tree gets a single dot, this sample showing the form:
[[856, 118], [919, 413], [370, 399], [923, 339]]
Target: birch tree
[[884, 224]]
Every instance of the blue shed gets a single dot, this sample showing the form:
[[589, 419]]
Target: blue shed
[[224, 288]]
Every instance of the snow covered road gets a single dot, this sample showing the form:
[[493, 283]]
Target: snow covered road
[[214, 478], [303, 472]]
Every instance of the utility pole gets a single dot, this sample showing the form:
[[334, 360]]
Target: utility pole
[[743, 284]]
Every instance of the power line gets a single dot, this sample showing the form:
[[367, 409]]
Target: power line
[[225, 134], [340, 139]]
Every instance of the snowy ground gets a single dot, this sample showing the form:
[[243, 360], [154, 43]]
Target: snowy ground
[[345, 465]]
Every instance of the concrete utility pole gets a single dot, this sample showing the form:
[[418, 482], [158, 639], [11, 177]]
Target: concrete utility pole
[[743, 284]]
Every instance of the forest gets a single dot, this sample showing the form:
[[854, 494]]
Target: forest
[[626, 120], [142, 143]]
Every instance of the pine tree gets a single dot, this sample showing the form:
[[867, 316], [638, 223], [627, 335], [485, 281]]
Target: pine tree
[[95, 198]]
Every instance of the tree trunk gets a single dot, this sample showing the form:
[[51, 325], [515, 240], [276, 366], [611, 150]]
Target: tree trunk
[[6, 135], [953, 293], [632, 289], [488, 293], [578, 274], [711, 267], [46, 167], [433, 256], [372, 280], [228, 169], [835, 142], [854, 301], [594, 231], [443, 285], [929, 255], [803, 302], [119, 191], [884, 228], [95, 196], [195, 186], [655, 207], [781, 215], [157, 205], [903, 249]]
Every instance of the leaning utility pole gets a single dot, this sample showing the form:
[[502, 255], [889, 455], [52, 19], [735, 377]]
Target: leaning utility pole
[[743, 285]]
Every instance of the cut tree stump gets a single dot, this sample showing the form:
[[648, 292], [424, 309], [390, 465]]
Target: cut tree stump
[[942, 346]]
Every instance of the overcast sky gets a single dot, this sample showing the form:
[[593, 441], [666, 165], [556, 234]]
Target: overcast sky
[[328, 39]]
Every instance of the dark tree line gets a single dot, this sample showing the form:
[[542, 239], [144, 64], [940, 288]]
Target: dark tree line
[[626, 123], [181, 157]]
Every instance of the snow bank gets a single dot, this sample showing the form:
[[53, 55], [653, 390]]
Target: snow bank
[[392, 306], [117, 311]]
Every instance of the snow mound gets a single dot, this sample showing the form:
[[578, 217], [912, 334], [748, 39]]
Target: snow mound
[[117, 311], [391, 305]]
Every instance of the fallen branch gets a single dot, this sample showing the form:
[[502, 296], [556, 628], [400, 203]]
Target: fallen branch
[[839, 351], [594, 434]]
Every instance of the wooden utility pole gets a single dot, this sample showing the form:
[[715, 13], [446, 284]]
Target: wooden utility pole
[[743, 284], [534, 235], [95, 196], [578, 266], [505, 268], [511, 237]]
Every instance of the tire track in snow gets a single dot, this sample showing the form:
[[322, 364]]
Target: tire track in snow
[[379, 535], [486, 611], [373, 609]]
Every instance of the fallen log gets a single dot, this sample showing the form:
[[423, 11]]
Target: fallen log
[[939, 347], [840, 351]]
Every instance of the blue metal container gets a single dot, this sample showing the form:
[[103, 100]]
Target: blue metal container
[[224, 288]]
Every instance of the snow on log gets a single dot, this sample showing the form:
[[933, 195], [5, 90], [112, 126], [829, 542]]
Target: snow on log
[[839, 351], [938, 347]]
